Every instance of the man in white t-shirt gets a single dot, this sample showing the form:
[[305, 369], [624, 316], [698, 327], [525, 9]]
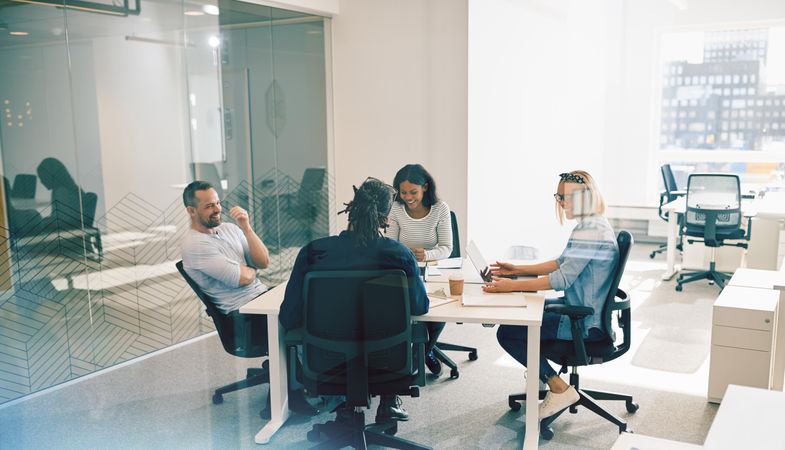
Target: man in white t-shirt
[[222, 258]]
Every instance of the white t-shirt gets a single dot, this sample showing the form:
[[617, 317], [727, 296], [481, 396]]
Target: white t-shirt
[[213, 261], [433, 232]]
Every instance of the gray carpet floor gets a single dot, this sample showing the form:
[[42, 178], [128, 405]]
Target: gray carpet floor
[[164, 401]]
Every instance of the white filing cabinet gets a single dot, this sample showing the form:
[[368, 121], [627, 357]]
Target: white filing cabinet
[[742, 339]]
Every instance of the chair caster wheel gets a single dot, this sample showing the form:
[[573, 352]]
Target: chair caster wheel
[[625, 429], [652, 255], [679, 288], [515, 406], [392, 430], [454, 373], [546, 433], [632, 407], [312, 435], [473, 356], [218, 399]]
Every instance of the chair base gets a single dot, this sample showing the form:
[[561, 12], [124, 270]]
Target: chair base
[[253, 377], [438, 352], [356, 434], [712, 275], [588, 399]]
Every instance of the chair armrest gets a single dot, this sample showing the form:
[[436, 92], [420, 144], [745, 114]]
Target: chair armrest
[[294, 337], [419, 333], [679, 193], [575, 312], [621, 302]]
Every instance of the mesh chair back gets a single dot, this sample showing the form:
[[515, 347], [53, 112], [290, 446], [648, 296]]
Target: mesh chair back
[[243, 335], [624, 241], [710, 194], [456, 239], [356, 314]]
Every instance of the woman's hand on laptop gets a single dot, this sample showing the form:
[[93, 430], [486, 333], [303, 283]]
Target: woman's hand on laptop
[[503, 268], [499, 285]]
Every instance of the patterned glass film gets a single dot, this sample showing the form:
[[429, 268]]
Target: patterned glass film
[[101, 132]]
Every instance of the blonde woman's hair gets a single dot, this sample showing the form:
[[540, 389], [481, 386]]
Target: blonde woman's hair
[[597, 203]]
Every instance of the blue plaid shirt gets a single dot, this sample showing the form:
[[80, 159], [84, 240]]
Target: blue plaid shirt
[[586, 269]]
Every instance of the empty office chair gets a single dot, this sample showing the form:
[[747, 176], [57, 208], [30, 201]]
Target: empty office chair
[[307, 206], [576, 352], [669, 194], [713, 215], [242, 335], [440, 347], [24, 185], [358, 341]]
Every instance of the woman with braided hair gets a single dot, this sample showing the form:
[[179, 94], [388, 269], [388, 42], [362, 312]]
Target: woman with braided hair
[[362, 246]]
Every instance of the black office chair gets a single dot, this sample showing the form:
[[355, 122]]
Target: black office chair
[[576, 352], [440, 347], [306, 207], [713, 214], [357, 341], [242, 335], [24, 185], [668, 195]]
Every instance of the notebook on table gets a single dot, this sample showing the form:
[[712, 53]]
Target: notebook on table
[[502, 299]]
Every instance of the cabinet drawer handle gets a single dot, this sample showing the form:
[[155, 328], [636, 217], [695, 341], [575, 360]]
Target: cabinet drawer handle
[[767, 320]]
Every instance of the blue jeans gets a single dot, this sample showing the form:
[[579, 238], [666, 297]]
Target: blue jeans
[[514, 339]]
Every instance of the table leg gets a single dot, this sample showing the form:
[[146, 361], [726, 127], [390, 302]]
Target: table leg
[[279, 392], [532, 436], [670, 254]]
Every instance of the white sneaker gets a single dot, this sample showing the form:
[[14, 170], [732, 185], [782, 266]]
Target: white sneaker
[[554, 402]]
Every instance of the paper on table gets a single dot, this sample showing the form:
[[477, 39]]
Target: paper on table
[[432, 271], [450, 263], [439, 297]]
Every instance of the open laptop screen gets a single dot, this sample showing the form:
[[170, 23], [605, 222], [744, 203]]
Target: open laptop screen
[[478, 261]]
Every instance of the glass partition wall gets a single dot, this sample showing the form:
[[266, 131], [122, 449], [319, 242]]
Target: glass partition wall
[[105, 118]]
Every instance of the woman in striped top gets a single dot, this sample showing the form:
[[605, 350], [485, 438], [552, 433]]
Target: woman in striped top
[[420, 221]]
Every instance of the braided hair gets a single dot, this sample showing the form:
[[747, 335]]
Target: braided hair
[[369, 209]]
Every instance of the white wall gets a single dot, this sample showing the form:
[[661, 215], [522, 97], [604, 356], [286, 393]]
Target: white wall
[[400, 94], [539, 77], [141, 115], [631, 156]]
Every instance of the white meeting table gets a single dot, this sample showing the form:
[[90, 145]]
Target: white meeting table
[[530, 316], [269, 303]]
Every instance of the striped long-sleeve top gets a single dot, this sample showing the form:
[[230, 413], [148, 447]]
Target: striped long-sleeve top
[[432, 233]]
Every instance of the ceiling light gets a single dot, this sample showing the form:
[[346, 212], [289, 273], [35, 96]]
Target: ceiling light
[[211, 10], [214, 41], [194, 13], [18, 33]]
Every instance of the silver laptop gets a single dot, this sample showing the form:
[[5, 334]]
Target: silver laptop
[[479, 263]]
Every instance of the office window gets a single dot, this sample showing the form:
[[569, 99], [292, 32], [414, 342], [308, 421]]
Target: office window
[[727, 80]]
